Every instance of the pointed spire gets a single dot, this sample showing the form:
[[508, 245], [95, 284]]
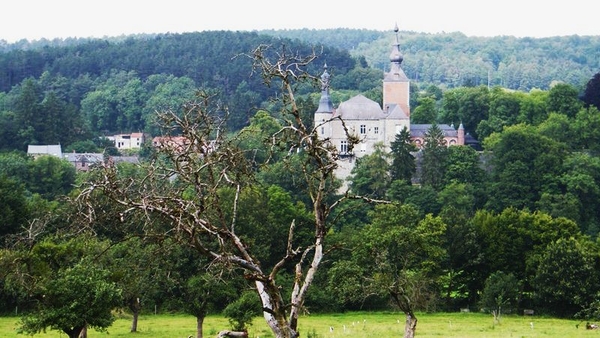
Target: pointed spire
[[396, 73], [325, 105], [396, 56], [325, 78]]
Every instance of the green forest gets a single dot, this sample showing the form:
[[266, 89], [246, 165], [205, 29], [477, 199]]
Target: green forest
[[245, 217]]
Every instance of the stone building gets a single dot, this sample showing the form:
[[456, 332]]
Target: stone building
[[370, 121]]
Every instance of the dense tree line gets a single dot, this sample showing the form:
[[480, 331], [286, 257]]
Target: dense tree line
[[208, 58], [444, 59]]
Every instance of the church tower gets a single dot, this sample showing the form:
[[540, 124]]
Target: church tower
[[396, 87]]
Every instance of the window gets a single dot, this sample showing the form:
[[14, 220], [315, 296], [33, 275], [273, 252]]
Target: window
[[363, 147], [322, 130], [363, 129], [344, 147], [376, 130]]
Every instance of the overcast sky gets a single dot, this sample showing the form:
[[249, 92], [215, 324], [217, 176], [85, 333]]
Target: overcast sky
[[36, 19]]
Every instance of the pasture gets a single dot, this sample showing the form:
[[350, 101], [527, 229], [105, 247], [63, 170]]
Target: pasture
[[354, 324]]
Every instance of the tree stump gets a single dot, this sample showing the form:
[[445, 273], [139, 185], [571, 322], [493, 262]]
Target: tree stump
[[232, 334]]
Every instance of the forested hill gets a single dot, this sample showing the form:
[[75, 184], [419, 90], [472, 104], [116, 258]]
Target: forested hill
[[209, 58], [444, 59], [454, 59]]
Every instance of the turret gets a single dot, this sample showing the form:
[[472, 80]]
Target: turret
[[325, 105], [461, 135], [325, 110]]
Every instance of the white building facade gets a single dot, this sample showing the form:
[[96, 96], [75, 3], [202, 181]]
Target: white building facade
[[369, 121]]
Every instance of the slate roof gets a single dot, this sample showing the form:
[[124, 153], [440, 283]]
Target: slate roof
[[419, 130], [85, 157], [52, 149], [395, 112]]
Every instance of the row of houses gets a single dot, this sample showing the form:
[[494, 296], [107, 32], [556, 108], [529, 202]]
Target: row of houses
[[81, 161], [84, 161], [135, 141]]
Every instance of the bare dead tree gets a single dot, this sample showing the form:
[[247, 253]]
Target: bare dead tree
[[195, 182]]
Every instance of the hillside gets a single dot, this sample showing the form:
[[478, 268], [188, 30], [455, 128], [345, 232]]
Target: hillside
[[454, 59], [445, 59]]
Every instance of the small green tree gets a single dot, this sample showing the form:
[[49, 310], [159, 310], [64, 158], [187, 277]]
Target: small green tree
[[76, 298], [204, 292], [435, 153], [241, 312], [403, 162], [140, 269], [566, 279], [501, 293], [396, 257], [370, 176], [66, 282]]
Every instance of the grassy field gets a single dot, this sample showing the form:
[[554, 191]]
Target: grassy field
[[355, 325]]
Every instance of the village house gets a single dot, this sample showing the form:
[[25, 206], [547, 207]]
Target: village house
[[128, 141], [84, 161]]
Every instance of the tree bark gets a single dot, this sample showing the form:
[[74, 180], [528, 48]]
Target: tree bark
[[199, 323], [410, 328], [74, 332], [273, 310], [135, 307], [134, 321], [83, 333]]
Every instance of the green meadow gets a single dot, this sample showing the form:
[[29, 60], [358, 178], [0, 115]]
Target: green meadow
[[355, 325]]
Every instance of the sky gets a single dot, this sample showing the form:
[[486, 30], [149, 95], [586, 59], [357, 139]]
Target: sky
[[37, 19]]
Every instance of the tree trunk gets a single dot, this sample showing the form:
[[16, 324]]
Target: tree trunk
[[232, 334], [134, 321], [450, 286], [274, 311], [199, 323], [74, 332], [83, 333], [135, 307], [410, 327]]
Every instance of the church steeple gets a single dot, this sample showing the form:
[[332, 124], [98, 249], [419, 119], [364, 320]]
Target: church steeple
[[396, 86], [325, 105], [396, 73], [396, 56]]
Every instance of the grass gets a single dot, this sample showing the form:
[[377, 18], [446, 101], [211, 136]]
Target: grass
[[355, 325]]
